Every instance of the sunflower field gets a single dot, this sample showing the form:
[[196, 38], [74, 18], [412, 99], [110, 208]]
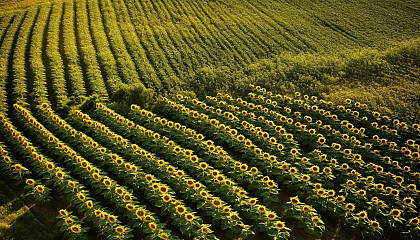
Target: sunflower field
[[258, 167], [209, 119]]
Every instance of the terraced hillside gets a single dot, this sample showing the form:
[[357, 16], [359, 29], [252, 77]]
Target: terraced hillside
[[120, 113]]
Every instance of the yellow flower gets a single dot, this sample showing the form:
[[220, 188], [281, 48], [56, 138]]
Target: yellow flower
[[152, 226], [205, 229], [189, 217], [350, 206], [271, 215], [120, 229], [340, 198], [412, 187], [294, 200], [314, 169], [306, 177], [395, 213], [316, 219], [30, 182], [363, 214], [112, 218], [414, 221], [75, 229], [203, 165], [307, 208], [361, 192], [68, 221], [408, 201], [216, 203], [374, 224], [140, 213], [89, 204], [130, 207], [166, 197], [180, 210], [64, 213], [261, 209]]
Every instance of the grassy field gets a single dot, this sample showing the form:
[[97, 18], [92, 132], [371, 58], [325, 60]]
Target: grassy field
[[101, 56]]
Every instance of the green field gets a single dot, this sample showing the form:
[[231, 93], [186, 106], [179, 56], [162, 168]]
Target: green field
[[79, 77]]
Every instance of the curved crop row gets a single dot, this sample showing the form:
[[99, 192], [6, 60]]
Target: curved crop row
[[74, 191], [131, 174]]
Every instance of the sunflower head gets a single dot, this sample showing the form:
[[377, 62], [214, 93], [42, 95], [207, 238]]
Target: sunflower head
[[64, 213], [76, 228], [395, 213], [189, 217], [294, 200], [350, 206], [415, 221], [271, 215], [180, 209]]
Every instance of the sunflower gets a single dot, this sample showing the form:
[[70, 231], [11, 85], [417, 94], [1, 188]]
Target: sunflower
[[180, 209], [350, 183], [294, 151], [180, 173], [347, 152], [112, 218], [414, 221], [119, 191], [30, 182], [408, 201], [152, 226], [331, 193], [205, 229], [379, 186], [81, 196], [216, 203], [89, 204], [363, 214], [399, 180], [63, 212], [321, 140], [344, 166], [271, 215], [350, 206], [316, 220], [412, 187], [75, 228], [50, 166], [130, 207], [68, 221], [327, 170], [140, 213], [261, 209], [395, 192], [293, 170], [361, 192], [148, 218], [197, 185], [395, 213], [314, 169], [120, 230], [294, 200], [189, 217], [305, 177], [203, 165]]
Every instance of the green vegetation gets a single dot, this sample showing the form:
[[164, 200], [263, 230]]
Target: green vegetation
[[76, 78]]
